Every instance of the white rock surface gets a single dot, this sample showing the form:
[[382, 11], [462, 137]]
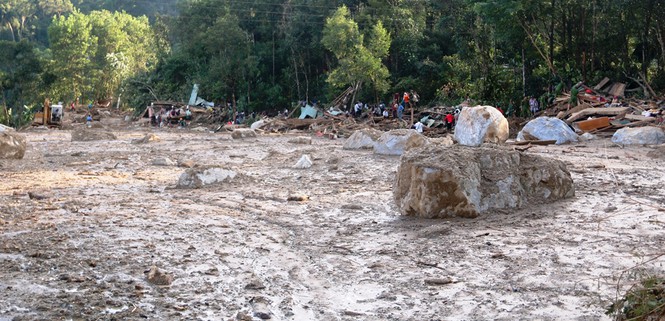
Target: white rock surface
[[480, 124], [240, 133], [304, 162], [639, 136], [393, 142], [362, 139], [548, 128], [12, 144], [197, 178]]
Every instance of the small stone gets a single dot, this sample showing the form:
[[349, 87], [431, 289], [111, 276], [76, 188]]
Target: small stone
[[163, 161], [610, 209], [301, 140], [298, 198], [304, 162], [187, 163], [157, 277], [240, 133]]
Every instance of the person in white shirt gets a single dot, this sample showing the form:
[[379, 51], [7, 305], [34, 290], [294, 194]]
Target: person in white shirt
[[418, 127]]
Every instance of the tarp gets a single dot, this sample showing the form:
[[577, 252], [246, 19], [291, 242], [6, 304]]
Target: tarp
[[308, 111]]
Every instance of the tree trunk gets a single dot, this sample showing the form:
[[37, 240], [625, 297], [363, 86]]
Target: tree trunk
[[523, 73], [552, 36], [295, 70]]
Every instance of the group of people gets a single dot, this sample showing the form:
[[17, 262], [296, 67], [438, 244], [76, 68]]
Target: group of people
[[169, 118], [398, 105]]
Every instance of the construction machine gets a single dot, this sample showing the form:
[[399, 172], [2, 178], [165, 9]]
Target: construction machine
[[50, 115]]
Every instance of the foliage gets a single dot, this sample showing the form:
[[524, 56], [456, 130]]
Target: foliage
[[645, 301], [20, 81]]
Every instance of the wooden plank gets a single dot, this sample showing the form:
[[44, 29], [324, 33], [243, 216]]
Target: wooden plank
[[617, 89], [534, 142], [601, 84], [610, 111], [592, 124]]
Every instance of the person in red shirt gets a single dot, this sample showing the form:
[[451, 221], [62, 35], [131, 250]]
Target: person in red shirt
[[450, 120]]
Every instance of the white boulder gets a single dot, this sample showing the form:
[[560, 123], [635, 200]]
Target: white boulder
[[639, 136], [394, 142], [480, 124], [548, 128]]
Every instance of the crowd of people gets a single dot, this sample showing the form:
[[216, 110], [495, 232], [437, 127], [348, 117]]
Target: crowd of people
[[173, 117]]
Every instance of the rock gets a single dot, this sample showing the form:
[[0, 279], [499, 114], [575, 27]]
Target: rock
[[157, 277], [258, 124], [4, 128], [440, 182], [416, 141], [303, 162], [479, 124], [639, 136], [548, 128], [261, 307], [298, 198], [394, 142], [12, 144], [362, 139], [85, 135], [588, 136], [187, 163], [197, 178], [163, 161], [146, 139], [301, 140], [657, 152], [240, 133]]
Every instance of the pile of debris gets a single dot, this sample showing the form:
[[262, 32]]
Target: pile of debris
[[604, 109]]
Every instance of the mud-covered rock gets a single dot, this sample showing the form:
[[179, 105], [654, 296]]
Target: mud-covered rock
[[240, 133], [548, 128], [163, 161], [301, 140], [159, 277], [439, 182], [362, 139], [12, 144], [85, 135], [199, 177], [394, 142], [480, 124], [639, 136], [146, 139], [416, 141]]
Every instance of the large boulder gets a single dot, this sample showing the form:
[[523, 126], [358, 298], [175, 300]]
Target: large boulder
[[197, 178], [639, 136], [480, 124], [439, 182], [362, 139], [85, 135], [240, 133], [12, 144], [416, 141], [394, 142], [548, 128]]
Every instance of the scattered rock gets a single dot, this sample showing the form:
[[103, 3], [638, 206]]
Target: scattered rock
[[301, 140], [548, 128], [298, 198], [479, 124], [439, 182], [158, 277], [261, 308], [394, 142], [197, 178], [12, 144], [163, 161], [240, 133], [35, 196], [4, 128], [303, 162], [588, 136], [610, 209], [85, 135], [657, 152], [362, 139], [146, 139], [439, 281], [648, 135], [416, 141], [187, 163]]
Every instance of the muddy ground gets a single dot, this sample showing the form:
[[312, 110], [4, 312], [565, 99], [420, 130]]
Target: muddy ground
[[81, 223]]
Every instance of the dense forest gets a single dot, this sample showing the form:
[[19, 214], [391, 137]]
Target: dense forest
[[269, 54]]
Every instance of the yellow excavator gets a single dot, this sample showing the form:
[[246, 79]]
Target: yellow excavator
[[50, 115]]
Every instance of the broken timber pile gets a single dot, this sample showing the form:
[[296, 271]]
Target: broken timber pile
[[601, 111]]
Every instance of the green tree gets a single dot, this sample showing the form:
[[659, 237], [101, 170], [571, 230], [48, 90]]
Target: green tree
[[20, 81], [357, 63]]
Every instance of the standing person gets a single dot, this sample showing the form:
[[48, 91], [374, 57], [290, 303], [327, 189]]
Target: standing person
[[450, 121], [72, 107], [533, 105], [400, 111], [88, 120], [394, 109]]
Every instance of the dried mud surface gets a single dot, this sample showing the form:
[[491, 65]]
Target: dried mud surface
[[82, 223]]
